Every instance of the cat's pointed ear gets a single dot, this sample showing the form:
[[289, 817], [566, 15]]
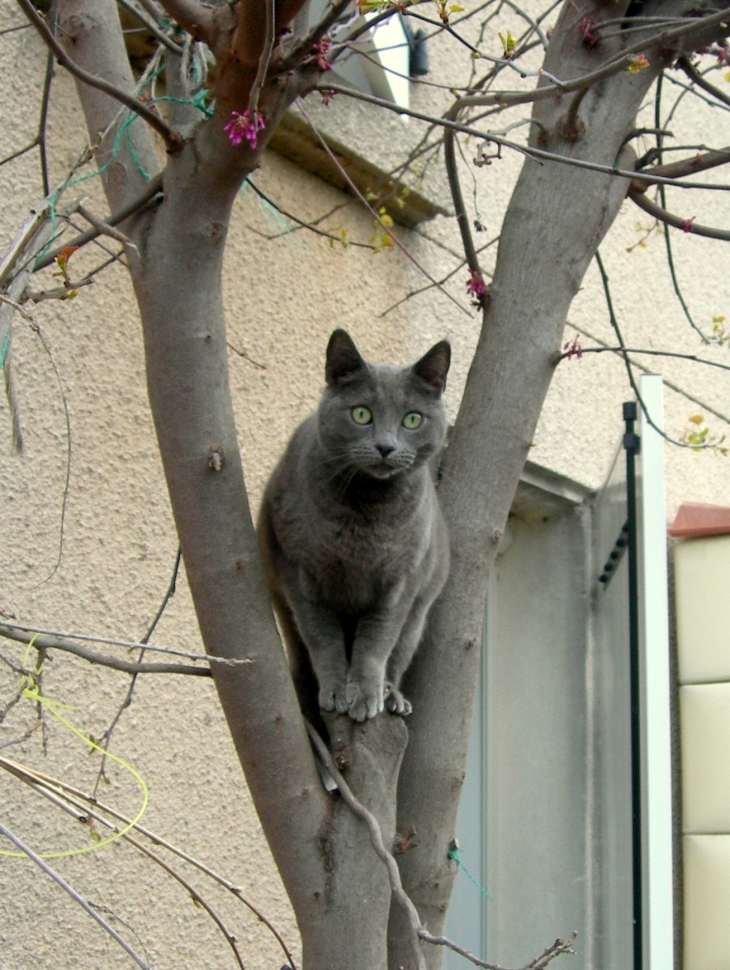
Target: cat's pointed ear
[[343, 358], [434, 366]]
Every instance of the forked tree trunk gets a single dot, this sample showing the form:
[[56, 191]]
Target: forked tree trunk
[[557, 217]]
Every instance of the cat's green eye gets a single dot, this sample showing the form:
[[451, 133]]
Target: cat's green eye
[[361, 415], [412, 420]]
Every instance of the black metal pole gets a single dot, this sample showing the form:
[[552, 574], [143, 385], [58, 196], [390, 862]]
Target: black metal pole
[[631, 445]]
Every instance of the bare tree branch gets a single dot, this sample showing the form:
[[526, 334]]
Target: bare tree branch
[[192, 16], [694, 75], [129, 644], [685, 166], [376, 216], [104, 228], [538, 154], [153, 188], [556, 949], [90, 806], [172, 139], [152, 26], [690, 30], [56, 643], [647, 370], [686, 225], [169, 593], [640, 350], [253, 98]]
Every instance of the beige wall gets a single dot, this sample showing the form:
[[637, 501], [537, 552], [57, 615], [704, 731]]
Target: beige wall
[[283, 299]]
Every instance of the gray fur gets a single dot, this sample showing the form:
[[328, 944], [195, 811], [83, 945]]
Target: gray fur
[[352, 535]]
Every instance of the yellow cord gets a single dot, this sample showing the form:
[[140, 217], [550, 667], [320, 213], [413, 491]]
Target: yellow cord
[[34, 695]]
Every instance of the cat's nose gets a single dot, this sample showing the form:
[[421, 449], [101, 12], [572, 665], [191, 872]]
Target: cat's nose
[[385, 447]]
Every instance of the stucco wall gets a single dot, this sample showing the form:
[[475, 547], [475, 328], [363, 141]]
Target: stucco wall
[[283, 298]]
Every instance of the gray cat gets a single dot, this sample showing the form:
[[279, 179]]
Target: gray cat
[[353, 538]]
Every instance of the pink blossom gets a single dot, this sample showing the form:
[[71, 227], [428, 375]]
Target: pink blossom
[[573, 348], [320, 54], [240, 126], [587, 28], [327, 96], [475, 284], [688, 225]]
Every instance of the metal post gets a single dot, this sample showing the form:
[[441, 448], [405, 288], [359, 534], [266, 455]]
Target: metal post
[[631, 445]]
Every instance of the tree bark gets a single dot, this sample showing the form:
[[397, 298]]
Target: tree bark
[[556, 219], [338, 887]]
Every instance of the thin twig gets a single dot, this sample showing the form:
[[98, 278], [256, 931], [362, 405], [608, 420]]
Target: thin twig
[[628, 363], [42, 122], [556, 949], [106, 736], [172, 139], [663, 198], [33, 777], [264, 60], [126, 666], [35, 327], [90, 814], [694, 75], [640, 350], [300, 222], [12, 30], [150, 24], [104, 228], [375, 215], [647, 370], [74, 895], [442, 281], [152, 189], [539, 154], [20, 151], [462, 219], [689, 226], [242, 353], [132, 644]]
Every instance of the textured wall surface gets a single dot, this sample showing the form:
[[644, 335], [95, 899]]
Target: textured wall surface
[[283, 296]]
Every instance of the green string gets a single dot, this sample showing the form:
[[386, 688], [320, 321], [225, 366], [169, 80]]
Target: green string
[[197, 102], [453, 854], [277, 222], [4, 351]]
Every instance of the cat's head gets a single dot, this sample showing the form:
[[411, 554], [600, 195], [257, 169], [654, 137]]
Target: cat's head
[[379, 419]]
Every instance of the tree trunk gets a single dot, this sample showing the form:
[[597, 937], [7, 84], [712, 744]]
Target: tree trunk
[[557, 217]]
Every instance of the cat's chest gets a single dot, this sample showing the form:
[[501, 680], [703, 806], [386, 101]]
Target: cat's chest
[[357, 542], [356, 558]]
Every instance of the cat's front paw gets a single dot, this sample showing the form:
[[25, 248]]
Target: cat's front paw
[[333, 697], [395, 702], [363, 700]]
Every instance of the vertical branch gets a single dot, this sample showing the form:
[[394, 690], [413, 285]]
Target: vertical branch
[[253, 102]]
